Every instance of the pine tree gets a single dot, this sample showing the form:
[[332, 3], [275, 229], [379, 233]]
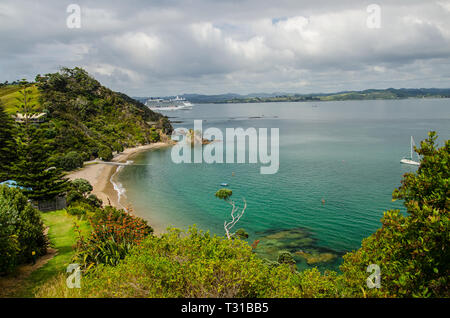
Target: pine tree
[[33, 170], [7, 144]]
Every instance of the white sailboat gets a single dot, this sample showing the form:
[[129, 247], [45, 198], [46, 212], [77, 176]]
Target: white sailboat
[[410, 161]]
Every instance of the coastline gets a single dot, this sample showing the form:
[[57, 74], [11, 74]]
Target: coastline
[[101, 175]]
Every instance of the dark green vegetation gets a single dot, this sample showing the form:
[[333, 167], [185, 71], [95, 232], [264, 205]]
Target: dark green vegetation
[[84, 120], [411, 250], [79, 120], [390, 93], [92, 120], [21, 230], [7, 143]]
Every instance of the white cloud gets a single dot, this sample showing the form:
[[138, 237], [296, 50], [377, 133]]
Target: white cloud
[[161, 48]]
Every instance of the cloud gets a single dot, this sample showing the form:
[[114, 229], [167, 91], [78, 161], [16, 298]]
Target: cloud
[[169, 47]]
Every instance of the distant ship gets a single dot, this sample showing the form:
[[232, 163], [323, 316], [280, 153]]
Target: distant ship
[[160, 104]]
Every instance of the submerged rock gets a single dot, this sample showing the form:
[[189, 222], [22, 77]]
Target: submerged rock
[[297, 241], [313, 258]]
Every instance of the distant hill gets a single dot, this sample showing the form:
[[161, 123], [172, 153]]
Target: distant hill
[[369, 94]]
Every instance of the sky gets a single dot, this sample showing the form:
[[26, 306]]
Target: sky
[[161, 48]]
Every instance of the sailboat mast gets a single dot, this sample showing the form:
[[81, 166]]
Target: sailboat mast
[[412, 142]]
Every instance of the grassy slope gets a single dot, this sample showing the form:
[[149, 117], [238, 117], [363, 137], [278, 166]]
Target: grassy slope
[[10, 93], [62, 237]]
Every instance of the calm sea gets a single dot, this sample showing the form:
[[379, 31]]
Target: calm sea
[[339, 163]]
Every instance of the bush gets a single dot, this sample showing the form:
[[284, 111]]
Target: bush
[[413, 250], [112, 237], [82, 186], [73, 196], [70, 161], [192, 264], [154, 135], [105, 154], [21, 230], [77, 211], [94, 201]]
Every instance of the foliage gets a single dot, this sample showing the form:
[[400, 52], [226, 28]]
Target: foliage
[[241, 233], [7, 144], [62, 237], [316, 285], [21, 230], [33, 169], [285, 257], [154, 135], [192, 265], [70, 161], [82, 186], [105, 154], [413, 250], [224, 194], [94, 201], [112, 237], [90, 119], [76, 211]]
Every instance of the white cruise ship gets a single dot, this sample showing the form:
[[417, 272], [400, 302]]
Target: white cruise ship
[[176, 103]]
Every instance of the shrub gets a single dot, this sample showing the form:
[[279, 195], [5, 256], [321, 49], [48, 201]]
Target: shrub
[[82, 186], [77, 211], [70, 161], [241, 233], [94, 201], [73, 196], [21, 230], [117, 147], [105, 154], [154, 135], [192, 264], [413, 250], [112, 237], [285, 257]]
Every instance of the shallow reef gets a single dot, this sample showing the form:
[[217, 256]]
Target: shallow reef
[[300, 243]]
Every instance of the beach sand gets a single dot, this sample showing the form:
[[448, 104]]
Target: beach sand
[[99, 174]]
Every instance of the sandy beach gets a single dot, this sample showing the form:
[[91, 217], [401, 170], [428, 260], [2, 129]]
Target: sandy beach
[[99, 174]]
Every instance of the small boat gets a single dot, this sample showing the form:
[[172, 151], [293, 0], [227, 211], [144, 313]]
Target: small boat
[[224, 184], [410, 161]]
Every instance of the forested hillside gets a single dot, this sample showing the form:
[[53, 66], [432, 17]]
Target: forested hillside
[[83, 116]]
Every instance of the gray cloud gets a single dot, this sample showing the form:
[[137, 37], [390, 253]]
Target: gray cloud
[[172, 47]]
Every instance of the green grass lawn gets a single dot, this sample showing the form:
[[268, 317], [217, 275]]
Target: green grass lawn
[[62, 237], [10, 93]]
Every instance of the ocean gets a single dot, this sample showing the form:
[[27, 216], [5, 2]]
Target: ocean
[[339, 163]]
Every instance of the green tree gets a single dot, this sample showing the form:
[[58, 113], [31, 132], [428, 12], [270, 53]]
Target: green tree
[[7, 143], [412, 250], [236, 213], [105, 154], [82, 186], [33, 170], [21, 230], [70, 161]]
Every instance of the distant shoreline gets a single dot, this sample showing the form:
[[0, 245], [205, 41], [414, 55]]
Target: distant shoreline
[[101, 176]]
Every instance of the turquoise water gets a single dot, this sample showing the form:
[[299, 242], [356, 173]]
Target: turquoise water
[[346, 153]]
